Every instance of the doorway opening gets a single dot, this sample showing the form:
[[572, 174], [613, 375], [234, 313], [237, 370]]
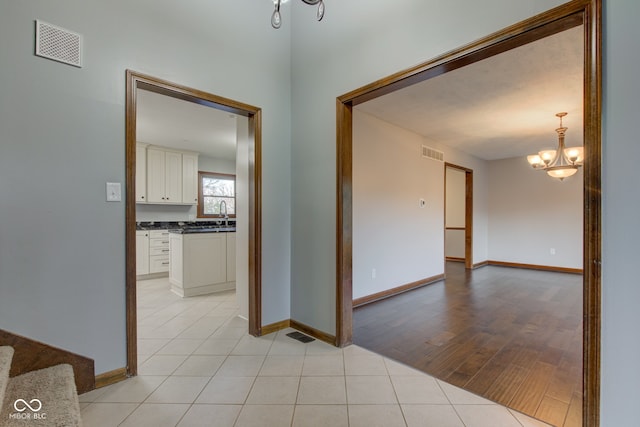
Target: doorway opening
[[136, 81], [458, 217], [570, 15]]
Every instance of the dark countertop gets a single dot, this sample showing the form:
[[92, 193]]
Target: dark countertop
[[202, 229], [188, 227]]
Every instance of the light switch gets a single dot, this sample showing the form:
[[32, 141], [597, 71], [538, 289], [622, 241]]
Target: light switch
[[114, 192]]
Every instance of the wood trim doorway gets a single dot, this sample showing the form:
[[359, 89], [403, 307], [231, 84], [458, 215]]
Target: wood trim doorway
[[468, 211], [578, 12], [136, 81]]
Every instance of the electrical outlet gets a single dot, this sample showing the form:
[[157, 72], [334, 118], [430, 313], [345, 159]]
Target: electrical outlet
[[552, 251], [373, 273]]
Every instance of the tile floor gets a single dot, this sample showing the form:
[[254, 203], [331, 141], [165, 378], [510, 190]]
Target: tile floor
[[199, 367]]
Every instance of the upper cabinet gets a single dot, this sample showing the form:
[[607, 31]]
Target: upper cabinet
[[141, 172], [190, 178], [171, 176]]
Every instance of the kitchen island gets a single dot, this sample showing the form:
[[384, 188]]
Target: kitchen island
[[202, 260]]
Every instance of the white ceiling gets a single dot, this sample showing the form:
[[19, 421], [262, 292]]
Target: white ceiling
[[501, 107], [171, 122]]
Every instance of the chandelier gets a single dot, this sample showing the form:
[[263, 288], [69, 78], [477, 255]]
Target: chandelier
[[560, 163], [276, 19]]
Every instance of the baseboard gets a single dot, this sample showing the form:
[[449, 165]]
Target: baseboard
[[275, 327], [111, 377], [480, 264], [536, 267], [30, 355], [358, 302], [152, 276], [454, 259], [322, 336]]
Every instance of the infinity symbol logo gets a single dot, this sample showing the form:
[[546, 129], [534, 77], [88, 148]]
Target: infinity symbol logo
[[35, 408]]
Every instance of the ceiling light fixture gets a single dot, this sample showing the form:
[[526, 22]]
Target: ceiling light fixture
[[560, 163], [276, 18]]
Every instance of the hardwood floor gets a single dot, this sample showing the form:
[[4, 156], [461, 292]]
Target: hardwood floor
[[511, 335]]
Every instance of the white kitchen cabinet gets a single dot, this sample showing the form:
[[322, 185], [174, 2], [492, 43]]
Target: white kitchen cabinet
[[198, 263], [142, 252], [164, 176], [158, 251], [141, 172], [173, 177], [189, 178], [231, 257]]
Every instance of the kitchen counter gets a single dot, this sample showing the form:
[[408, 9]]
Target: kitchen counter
[[187, 227], [202, 260], [202, 229]]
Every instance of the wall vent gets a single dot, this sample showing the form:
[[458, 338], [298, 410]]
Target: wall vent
[[432, 153], [59, 44]]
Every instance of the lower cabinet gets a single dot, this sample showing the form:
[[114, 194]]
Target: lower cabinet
[[158, 251], [199, 263], [142, 252], [231, 257]]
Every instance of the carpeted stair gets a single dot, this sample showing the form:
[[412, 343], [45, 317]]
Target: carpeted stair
[[46, 397]]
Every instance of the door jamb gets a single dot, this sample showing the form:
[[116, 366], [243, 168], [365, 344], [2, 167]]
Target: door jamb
[[134, 81]]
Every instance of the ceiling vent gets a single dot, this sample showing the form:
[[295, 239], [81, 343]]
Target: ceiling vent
[[56, 43], [432, 153]]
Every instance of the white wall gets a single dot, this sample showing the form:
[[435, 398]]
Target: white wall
[[62, 247], [213, 164], [455, 212], [531, 213], [392, 234]]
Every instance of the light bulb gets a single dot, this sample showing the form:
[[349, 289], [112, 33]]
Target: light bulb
[[534, 160], [320, 13], [276, 19], [562, 173], [574, 154], [547, 156]]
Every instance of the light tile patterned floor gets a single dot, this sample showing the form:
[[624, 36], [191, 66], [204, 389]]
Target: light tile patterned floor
[[198, 367]]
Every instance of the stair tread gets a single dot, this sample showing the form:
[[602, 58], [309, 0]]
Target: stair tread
[[54, 387]]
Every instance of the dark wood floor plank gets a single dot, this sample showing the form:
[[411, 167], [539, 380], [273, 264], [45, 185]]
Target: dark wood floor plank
[[528, 397], [511, 335], [552, 411], [574, 415], [507, 384]]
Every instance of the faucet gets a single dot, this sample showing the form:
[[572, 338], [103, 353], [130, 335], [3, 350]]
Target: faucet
[[226, 217]]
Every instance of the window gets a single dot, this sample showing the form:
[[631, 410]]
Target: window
[[215, 188]]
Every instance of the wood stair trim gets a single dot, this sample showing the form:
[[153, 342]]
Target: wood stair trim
[[31, 355]]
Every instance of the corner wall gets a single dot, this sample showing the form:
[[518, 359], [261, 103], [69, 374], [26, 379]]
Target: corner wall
[[532, 214], [395, 241], [62, 247]]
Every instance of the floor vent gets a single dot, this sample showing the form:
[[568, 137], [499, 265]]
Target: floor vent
[[432, 153], [56, 43], [300, 337]]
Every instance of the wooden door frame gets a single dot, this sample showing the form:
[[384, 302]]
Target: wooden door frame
[[468, 211], [569, 15], [136, 81]]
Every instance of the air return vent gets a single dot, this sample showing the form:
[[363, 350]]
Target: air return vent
[[432, 153], [58, 44]]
